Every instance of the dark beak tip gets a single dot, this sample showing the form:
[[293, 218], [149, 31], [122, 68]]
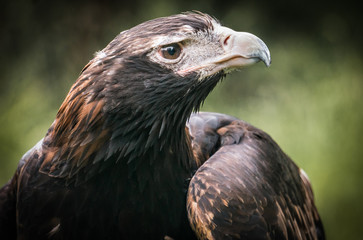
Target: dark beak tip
[[268, 63], [266, 58]]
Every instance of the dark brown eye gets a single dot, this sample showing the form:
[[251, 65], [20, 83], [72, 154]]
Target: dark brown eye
[[171, 51]]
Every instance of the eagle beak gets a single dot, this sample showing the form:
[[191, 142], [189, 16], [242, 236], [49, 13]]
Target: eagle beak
[[241, 49]]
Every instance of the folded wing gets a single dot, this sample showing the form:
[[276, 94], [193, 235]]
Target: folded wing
[[247, 188]]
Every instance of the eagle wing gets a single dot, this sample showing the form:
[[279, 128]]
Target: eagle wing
[[247, 188]]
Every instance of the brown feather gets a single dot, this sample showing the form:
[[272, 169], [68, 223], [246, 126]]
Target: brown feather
[[248, 189]]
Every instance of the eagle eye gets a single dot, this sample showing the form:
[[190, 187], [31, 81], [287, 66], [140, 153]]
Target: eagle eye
[[171, 51]]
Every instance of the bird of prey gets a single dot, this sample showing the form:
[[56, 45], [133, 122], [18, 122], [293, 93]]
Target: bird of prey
[[129, 157]]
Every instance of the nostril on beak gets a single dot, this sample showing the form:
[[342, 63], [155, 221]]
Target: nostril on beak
[[225, 42]]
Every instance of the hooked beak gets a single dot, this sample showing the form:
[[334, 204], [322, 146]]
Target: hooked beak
[[241, 49]]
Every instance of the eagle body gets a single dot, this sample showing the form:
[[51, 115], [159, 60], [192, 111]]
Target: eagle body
[[126, 157]]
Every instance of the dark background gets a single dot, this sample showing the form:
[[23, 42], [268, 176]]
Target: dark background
[[310, 99]]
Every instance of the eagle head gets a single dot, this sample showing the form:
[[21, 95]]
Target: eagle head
[[158, 64], [141, 88]]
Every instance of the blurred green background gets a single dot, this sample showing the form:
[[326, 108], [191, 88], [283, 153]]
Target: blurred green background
[[310, 99]]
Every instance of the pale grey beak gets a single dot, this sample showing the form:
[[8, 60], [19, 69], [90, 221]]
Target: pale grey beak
[[239, 49], [242, 49]]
